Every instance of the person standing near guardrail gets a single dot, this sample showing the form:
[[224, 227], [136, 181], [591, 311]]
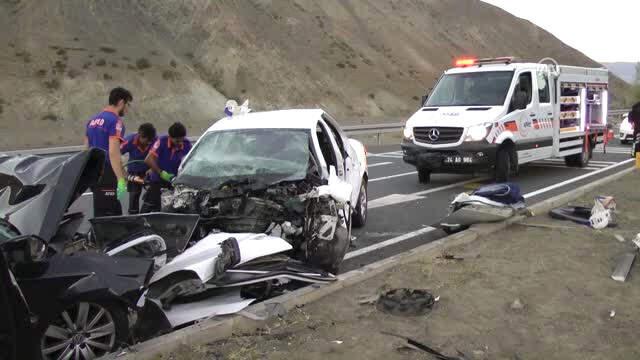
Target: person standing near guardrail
[[164, 159], [137, 146], [105, 131]]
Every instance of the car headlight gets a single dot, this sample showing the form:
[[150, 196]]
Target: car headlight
[[477, 132], [408, 132]]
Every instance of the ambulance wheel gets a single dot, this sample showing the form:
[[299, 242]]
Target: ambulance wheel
[[579, 160], [424, 176], [504, 166]]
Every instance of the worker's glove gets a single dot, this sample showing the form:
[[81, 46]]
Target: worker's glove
[[122, 189], [166, 176]]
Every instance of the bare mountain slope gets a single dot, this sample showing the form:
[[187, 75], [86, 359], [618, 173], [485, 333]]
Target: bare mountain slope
[[182, 59]]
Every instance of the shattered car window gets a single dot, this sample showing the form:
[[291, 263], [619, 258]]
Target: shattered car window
[[253, 155]]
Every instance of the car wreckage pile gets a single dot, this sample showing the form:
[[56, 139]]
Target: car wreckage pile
[[210, 252]]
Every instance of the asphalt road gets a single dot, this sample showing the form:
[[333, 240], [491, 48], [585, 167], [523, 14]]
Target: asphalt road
[[404, 214]]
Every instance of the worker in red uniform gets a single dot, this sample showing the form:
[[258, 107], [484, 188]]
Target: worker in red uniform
[[105, 131], [164, 159], [137, 146]]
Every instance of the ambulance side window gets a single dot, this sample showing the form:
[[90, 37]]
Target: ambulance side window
[[544, 94], [522, 94]]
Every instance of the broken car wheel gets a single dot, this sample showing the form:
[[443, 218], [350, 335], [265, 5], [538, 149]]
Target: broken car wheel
[[360, 212], [406, 302], [85, 331]]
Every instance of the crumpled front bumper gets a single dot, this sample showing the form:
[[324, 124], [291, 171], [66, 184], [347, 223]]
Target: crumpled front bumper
[[467, 157]]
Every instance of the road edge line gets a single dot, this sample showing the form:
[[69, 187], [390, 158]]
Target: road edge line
[[223, 327]]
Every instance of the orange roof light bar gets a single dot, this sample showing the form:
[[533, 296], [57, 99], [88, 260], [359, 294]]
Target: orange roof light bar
[[465, 62]]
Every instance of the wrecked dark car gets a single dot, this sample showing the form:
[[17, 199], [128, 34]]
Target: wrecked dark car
[[79, 302]]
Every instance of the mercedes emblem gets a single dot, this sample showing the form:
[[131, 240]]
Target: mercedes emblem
[[434, 134]]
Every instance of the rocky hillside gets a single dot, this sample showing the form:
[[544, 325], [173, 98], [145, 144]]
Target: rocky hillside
[[359, 59]]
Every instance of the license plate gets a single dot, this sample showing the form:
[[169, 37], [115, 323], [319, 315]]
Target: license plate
[[458, 160]]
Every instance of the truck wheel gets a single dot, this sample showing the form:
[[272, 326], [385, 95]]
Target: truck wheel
[[360, 212], [424, 176], [579, 160], [503, 163]]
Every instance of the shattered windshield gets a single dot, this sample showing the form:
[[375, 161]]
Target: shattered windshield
[[247, 156], [487, 88]]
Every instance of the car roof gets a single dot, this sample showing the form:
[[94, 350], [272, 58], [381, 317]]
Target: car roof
[[279, 119]]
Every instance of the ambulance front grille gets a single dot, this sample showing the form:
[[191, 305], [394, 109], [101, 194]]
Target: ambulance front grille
[[445, 135]]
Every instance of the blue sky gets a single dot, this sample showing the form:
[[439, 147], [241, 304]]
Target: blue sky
[[606, 31]]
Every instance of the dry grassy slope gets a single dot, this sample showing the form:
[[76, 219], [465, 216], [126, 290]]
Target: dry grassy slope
[[357, 58]]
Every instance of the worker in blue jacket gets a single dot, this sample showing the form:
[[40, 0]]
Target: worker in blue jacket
[[164, 159], [138, 147], [105, 131]]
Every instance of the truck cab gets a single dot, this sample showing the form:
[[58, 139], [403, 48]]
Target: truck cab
[[495, 114]]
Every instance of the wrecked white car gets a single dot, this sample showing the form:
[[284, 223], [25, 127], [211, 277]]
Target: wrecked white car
[[276, 194], [292, 174], [265, 184]]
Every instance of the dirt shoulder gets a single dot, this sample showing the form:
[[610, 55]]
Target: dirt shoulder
[[561, 276]]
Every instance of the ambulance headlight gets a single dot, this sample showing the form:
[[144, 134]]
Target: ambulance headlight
[[408, 133], [477, 132]]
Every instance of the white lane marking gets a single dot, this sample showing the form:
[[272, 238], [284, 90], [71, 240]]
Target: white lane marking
[[560, 184], [390, 154], [392, 176], [379, 164], [394, 199], [385, 243], [562, 166], [590, 161]]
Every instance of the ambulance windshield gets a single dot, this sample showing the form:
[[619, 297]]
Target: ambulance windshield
[[486, 88]]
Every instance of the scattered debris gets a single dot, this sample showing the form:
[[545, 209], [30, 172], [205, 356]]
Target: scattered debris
[[490, 203], [619, 237], [636, 241], [450, 257], [406, 302], [599, 216], [368, 299], [517, 305], [623, 267], [339, 342], [422, 347], [545, 226], [612, 313]]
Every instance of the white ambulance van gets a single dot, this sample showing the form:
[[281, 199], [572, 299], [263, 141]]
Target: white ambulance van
[[496, 114]]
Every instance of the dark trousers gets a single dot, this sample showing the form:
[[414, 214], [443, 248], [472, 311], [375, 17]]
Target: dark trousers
[[135, 191], [152, 199], [105, 200]]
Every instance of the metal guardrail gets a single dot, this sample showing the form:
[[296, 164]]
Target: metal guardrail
[[351, 130]]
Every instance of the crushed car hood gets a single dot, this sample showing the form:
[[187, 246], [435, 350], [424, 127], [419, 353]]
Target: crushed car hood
[[35, 191]]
